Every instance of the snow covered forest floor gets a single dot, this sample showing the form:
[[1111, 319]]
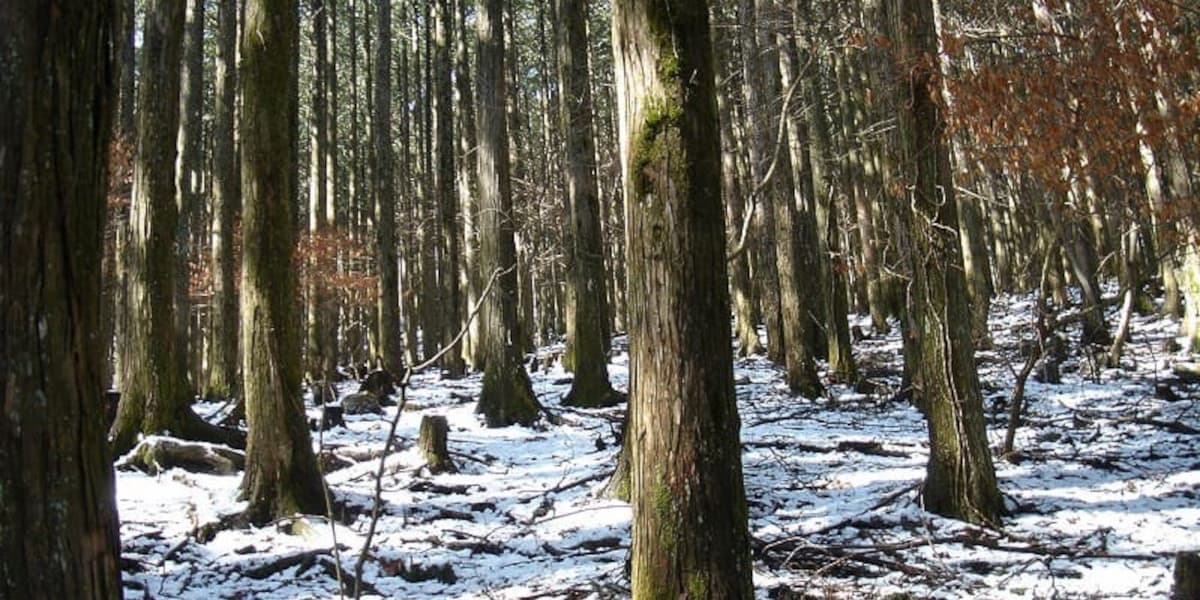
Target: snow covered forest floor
[[1106, 489]]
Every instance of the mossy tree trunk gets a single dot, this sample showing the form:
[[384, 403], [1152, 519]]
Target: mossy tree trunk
[[281, 471], [155, 395], [58, 516], [390, 349], [960, 478], [690, 535], [222, 347], [507, 396], [590, 386]]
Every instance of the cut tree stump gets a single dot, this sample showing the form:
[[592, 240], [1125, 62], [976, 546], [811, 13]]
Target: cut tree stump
[[432, 442], [1187, 576]]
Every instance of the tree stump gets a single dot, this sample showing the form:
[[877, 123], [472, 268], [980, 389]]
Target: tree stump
[[1187, 576], [432, 442]]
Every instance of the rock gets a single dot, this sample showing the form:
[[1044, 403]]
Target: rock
[[378, 382], [361, 403]]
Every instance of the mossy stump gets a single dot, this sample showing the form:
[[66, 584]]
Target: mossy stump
[[1187, 576], [432, 442]]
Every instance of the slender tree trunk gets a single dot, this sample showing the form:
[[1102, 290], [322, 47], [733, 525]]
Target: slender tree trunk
[[58, 516], [452, 310], [469, 279], [281, 471], [960, 478], [833, 291], [390, 349], [223, 346], [507, 396], [590, 386], [791, 232], [320, 363], [690, 537], [189, 173]]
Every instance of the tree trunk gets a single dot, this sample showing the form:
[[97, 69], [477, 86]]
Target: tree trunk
[[778, 196], [58, 516], [432, 441], [467, 185], [746, 317], [690, 535], [507, 396], [281, 471], [189, 177], [320, 363], [833, 264], [591, 386], [223, 346], [759, 151], [445, 181], [960, 478], [155, 395], [390, 349]]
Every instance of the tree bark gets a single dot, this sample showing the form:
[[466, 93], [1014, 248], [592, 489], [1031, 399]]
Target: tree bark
[[58, 516], [507, 397], [390, 349], [189, 173], [155, 396], [791, 232], [690, 535], [223, 345], [281, 471], [445, 184], [960, 478], [590, 386]]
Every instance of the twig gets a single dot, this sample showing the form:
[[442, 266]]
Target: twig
[[387, 444]]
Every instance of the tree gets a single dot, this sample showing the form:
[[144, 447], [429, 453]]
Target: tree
[[590, 386], [446, 181], [155, 394], [690, 535], [507, 397], [58, 517], [772, 168], [960, 478], [390, 349], [223, 356], [281, 471]]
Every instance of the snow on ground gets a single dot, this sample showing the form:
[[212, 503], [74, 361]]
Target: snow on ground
[[1106, 489]]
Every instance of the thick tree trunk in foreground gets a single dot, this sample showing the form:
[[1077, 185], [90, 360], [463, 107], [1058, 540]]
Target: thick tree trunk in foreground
[[590, 386], [960, 478], [58, 518], [690, 537], [155, 395], [281, 470], [507, 396]]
